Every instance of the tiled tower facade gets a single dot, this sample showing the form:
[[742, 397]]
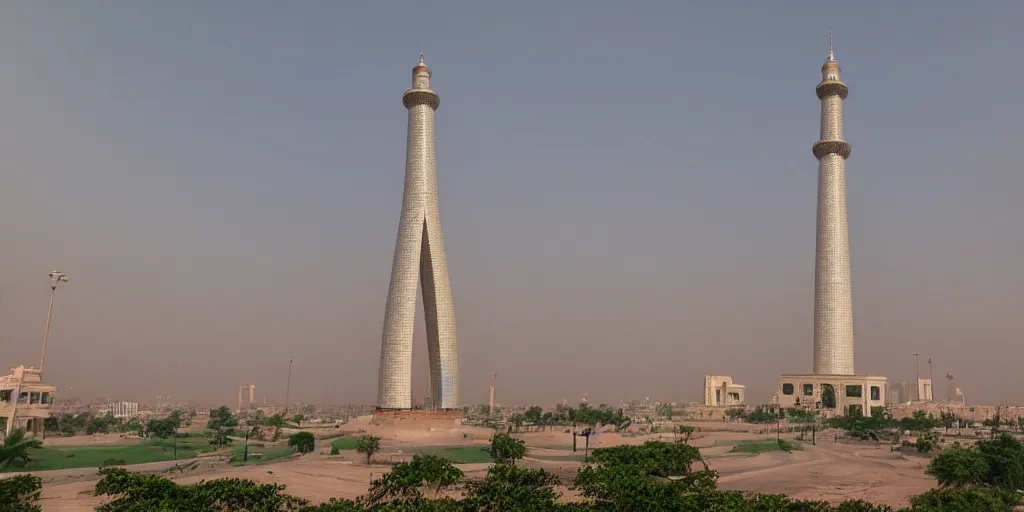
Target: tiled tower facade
[[833, 309], [419, 260]]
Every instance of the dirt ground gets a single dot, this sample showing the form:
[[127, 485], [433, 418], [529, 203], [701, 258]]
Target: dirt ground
[[829, 471]]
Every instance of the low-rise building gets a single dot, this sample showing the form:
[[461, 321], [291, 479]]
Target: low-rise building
[[122, 410], [25, 402], [721, 391], [845, 394]]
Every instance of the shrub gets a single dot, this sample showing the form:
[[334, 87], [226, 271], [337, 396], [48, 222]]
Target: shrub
[[368, 445], [20, 493], [303, 442], [505, 448], [927, 442]]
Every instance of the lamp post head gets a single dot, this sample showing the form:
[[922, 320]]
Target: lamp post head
[[57, 277]]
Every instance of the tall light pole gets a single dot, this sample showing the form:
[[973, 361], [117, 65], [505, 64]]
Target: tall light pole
[[288, 387], [931, 382], [917, 376], [55, 277]]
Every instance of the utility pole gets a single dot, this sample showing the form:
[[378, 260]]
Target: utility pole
[[288, 387], [931, 382], [245, 454], [917, 376]]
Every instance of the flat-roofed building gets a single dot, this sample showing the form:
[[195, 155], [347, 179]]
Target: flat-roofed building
[[720, 391], [25, 401], [844, 394]]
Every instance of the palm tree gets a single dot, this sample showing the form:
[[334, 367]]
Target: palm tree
[[15, 447]]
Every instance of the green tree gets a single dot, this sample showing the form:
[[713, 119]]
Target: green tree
[[20, 494], [828, 396], [406, 478], [133, 492], [534, 415], [505, 448], [948, 419], [101, 424], [437, 472], [927, 441], [652, 476], [686, 431], [517, 421], [665, 411], [765, 414], [960, 467], [512, 488], [547, 419], [275, 421], [799, 415], [1005, 456], [162, 428], [297, 419], [964, 500], [220, 438], [735, 413], [221, 417], [368, 445], [302, 442], [15, 447]]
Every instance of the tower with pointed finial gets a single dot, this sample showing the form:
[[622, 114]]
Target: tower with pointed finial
[[419, 260], [833, 308]]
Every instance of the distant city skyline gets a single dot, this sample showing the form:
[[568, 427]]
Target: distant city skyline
[[628, 194]]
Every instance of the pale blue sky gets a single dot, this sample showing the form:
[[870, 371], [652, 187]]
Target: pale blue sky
[[627, 191]]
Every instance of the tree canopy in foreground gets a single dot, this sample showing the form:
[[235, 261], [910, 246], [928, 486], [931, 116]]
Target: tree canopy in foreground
[[655, 477]]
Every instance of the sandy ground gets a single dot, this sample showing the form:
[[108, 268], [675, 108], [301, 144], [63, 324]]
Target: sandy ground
[[829, 471]]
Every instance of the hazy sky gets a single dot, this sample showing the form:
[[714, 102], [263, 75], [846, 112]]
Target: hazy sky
[[627, 192]]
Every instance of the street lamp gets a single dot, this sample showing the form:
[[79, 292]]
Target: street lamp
[[917, 376], [55, 277], [288, 387]]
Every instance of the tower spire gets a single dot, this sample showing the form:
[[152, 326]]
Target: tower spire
[[831, 56], [419, 264], [833, 309], [829, 48]]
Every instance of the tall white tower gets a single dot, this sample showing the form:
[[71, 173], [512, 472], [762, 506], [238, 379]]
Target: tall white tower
[[419, 259], [833, 307]]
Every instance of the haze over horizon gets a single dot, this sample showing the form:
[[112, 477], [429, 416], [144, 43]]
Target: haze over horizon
[[627, 193]]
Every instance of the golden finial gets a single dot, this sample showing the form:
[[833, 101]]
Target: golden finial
[[831, 56]]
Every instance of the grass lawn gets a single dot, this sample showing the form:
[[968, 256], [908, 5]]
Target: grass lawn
[[151, 450], [345, 443], [258, 454], [460, 454], [554, 446], [757, 446], [559, 458]]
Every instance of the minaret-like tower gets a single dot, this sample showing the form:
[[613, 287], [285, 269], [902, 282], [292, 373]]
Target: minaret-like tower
[[419, 259], [833, 308]]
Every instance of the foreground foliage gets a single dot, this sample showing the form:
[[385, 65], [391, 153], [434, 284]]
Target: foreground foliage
[[14, 449], [653, 477], [20, 494], [303, 442]]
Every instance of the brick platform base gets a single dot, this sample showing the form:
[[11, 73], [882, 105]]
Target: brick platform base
[[416, 419]]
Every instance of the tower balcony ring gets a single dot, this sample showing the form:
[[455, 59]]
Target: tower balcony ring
[[830, 147], [414, 97], [832, 88]]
